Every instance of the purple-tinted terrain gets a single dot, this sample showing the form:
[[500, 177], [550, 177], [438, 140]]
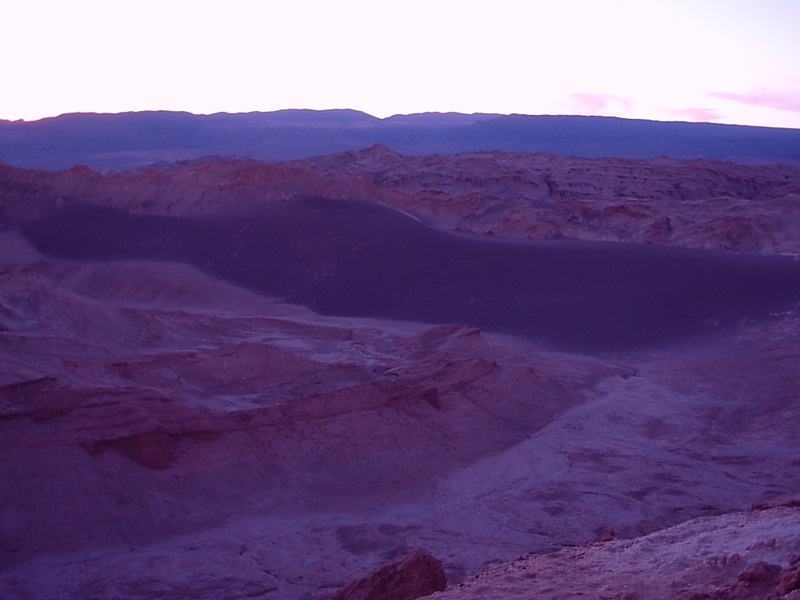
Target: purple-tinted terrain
[[369, 375], [133, 140], [357, 259]]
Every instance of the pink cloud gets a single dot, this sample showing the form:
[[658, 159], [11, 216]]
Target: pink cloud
[[591, 103], [764, 98], [703, 115]]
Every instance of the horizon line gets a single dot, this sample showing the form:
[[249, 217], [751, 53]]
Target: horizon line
[[488, 115]]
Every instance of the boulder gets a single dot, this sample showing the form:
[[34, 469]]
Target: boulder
[[411, 575]]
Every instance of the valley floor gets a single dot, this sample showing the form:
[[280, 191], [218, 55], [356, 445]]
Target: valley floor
[[165, 434]]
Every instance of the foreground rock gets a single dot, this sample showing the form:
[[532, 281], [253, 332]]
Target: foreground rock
[[746, 555], [409, 576]]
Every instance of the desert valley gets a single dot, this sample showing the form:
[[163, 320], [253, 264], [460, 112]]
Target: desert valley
[[375, 375]]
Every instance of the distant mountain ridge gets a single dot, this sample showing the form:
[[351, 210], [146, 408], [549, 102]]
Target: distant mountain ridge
[[137, 139]]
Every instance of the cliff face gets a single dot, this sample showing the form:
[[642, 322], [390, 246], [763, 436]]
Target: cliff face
[[166, 431]]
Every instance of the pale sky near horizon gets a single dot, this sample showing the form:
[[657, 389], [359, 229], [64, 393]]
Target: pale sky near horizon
[[728, 61]]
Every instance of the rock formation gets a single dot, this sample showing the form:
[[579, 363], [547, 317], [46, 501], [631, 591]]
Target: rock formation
[[165, 431], [412, 575], [746, 555], [696, 203], [690, 203]]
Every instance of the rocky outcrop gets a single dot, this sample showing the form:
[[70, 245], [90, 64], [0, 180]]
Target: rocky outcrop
[[739, 556], [697, 203], [202, 187], [411, 575]]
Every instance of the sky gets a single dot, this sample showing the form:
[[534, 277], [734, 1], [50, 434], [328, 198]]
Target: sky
[[727, 61]]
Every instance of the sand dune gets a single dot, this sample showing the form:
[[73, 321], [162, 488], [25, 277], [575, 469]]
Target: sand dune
[[361, 259]]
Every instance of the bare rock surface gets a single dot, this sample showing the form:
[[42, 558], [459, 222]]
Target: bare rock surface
[[695, 203], [691, 203], [165, 432], [198, 187], [736, 556], [411, 575]]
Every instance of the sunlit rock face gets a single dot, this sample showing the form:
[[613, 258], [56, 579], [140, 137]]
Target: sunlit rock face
[[229, 379], [693, 203]]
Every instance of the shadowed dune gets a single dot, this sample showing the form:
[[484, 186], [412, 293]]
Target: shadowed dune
[[361, 259]]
